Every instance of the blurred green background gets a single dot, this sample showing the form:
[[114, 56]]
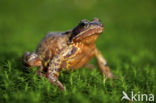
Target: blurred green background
[[128, 43]]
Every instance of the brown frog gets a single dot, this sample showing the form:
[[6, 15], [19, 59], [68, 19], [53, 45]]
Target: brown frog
[[67, 50]]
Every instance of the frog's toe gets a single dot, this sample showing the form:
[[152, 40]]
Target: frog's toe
[[109, 76]]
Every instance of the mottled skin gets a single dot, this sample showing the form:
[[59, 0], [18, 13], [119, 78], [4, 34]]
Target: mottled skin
[[67, 50]]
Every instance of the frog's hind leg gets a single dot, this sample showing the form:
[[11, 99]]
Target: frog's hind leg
[[103, 66], [31, 60]]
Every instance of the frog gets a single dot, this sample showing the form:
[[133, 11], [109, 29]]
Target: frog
[[69, 50]]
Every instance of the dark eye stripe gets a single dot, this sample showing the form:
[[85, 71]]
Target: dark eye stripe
[[82, 24], [78, 29], [74, 33]]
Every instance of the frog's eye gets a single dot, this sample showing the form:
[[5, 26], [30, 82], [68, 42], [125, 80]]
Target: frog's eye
[[84, 24]]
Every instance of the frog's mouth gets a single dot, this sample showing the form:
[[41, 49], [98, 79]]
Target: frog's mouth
[[86, 33], [86, 29]]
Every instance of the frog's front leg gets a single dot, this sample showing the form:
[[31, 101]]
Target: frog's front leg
[[103, 66], [53, 74]]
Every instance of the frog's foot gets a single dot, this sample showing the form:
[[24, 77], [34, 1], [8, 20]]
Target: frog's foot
[[39, 73], [51, 76], [54, 80], [107, 73], [103, 66]]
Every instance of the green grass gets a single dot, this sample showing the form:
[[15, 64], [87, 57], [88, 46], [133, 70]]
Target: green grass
[[128, 44]]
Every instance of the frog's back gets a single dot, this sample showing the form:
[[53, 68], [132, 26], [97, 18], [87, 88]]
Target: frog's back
[[51, 45]]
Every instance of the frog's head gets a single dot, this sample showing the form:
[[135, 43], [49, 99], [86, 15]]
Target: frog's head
[[30, 59], [86, 32]]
